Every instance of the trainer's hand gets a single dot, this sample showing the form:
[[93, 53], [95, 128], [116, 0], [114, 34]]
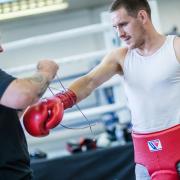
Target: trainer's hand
[[48, 67], [43, 116]]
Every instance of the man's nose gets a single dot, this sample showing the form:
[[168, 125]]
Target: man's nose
[[121, 32]]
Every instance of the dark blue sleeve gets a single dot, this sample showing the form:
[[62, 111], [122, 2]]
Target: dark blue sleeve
[[5, 80]]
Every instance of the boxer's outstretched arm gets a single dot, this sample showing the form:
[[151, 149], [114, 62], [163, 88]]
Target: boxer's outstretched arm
[[110, 65], [36, 119], [23, 92]]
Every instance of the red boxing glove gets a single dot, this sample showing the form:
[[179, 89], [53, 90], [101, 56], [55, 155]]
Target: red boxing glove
[[68, 98], [43, 116]]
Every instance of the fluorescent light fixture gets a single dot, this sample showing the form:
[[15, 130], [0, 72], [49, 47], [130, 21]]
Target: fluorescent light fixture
[[6, 1], [33, 11]]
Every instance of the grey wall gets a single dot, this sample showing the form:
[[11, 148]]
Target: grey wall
[[169, 11]]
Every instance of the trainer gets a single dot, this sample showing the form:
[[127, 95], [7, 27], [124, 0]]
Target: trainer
[[16, 94]]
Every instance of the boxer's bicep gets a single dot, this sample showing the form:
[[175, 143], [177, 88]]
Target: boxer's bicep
[[106, 69]]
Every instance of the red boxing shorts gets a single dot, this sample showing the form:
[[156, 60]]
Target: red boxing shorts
[[159, 152]]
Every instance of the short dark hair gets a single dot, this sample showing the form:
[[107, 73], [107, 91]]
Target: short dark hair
[[132, 6]]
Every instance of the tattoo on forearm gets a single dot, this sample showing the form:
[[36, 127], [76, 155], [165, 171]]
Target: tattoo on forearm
[[42, 81], [43, 89]]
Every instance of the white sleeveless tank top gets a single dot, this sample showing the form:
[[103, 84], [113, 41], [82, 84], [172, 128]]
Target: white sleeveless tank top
[[152, 86]]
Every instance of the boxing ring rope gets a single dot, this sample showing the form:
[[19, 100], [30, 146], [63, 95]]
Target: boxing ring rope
[[41, 39], [87, 56], [36, 40]]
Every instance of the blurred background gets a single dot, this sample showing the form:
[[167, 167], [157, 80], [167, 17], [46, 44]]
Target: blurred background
[[76, 34]]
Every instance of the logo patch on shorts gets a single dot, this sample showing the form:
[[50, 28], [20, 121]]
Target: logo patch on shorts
[[154, 145]]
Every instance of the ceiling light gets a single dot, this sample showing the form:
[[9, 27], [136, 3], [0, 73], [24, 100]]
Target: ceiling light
[[5, 1], [22, 8]]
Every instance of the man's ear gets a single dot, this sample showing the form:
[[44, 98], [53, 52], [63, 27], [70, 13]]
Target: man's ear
[[142, 16]]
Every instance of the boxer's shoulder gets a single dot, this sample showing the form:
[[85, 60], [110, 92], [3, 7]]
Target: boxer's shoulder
[[120, 54]]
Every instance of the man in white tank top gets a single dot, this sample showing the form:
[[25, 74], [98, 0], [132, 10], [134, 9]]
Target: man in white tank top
[[150, 65]]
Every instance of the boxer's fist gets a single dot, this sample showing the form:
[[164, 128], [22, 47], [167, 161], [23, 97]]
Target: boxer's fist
[[43, 116]]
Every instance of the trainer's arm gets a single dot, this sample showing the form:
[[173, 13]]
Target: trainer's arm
[[23, 92], [109, 66]]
